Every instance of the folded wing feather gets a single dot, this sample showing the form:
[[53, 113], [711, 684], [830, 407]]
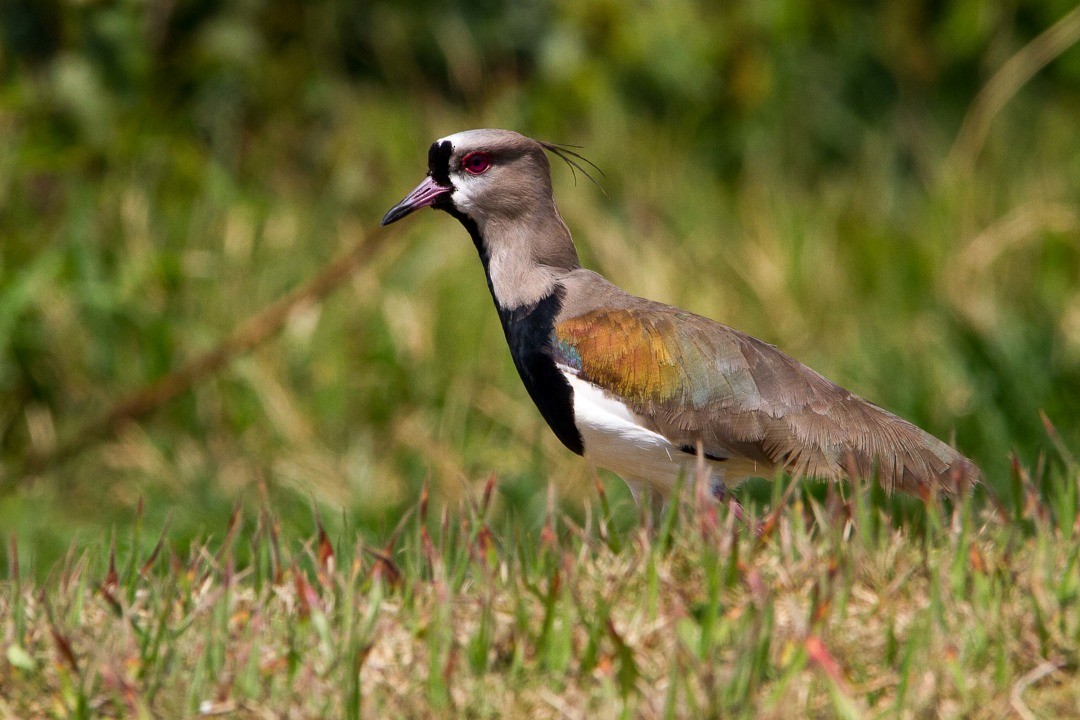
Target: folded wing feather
[[695, 379]]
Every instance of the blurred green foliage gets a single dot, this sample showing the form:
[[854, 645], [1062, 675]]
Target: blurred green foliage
[[168, 167]]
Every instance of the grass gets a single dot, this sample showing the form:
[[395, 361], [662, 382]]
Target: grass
[[951, 299], [951, 303], [859, 187], [819, 605]]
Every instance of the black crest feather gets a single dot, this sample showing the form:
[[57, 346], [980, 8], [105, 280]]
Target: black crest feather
[[569, 155]]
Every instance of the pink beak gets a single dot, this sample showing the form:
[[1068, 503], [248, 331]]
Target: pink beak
[[425, 194]]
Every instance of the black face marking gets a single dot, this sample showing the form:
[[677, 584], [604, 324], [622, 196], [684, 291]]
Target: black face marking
[[691, 450], [438, 162], [528, 332]]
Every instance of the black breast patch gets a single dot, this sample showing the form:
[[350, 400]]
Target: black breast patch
[[528, 333]]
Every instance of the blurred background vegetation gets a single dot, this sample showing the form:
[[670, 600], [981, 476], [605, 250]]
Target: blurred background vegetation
[[823, 175]]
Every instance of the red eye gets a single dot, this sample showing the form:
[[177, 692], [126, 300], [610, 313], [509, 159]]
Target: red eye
[[476, 163]]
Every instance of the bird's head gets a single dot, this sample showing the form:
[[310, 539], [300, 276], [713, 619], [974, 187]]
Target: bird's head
[[485, 175]]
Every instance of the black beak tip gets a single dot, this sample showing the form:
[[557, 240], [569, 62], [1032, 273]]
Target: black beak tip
[[393, 215], [426, 194]]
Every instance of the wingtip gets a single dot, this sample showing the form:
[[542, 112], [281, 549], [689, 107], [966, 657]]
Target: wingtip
[[964, 476]]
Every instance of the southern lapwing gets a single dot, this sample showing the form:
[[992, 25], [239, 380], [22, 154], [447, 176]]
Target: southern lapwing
[[636, 386]]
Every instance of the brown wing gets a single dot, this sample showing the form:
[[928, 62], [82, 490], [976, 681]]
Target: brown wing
[[695, 379]]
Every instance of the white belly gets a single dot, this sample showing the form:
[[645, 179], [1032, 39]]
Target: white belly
[[616, 439]]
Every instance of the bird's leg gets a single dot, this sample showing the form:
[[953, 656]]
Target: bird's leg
[[719, 491], [657, 502], [649, 500]]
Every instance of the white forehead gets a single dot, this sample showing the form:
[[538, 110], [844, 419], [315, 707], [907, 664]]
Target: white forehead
[[481, 137], [457, 139]]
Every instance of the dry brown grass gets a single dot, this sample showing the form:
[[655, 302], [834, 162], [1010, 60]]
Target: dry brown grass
[[833, 611]]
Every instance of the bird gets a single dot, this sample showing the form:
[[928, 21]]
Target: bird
[[647, 390]]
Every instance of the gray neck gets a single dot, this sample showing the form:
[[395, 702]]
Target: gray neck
[[526, 256]]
